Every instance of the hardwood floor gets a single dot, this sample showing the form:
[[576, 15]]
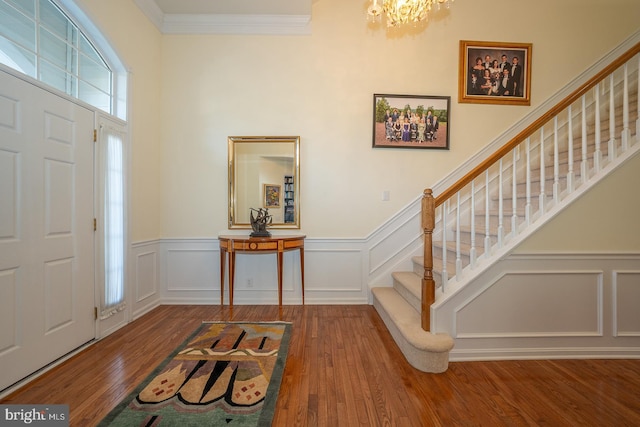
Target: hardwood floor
[[344, 369]]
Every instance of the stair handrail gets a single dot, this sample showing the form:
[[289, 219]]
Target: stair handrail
[[430, 203]]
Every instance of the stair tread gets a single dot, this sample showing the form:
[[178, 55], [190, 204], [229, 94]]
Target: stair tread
[[437, 263], [464, 246], [494, 212], [409, 286], [481, 230], [410, 280], [407, 320]]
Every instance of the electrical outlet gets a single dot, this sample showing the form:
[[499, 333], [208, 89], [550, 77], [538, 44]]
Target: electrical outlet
[[249, 283]]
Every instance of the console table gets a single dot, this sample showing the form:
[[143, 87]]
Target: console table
[[254, 245]]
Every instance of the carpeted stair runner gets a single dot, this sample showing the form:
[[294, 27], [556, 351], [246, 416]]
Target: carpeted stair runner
[[425, 351]]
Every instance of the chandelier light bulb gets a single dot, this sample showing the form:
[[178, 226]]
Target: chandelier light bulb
[[375, 11]]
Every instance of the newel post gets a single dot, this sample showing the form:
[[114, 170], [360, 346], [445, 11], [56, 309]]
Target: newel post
[[428, 284]]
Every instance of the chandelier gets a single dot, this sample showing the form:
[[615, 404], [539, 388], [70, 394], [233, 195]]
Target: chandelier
[[400, 12]]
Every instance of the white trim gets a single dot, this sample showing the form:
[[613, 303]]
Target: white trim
[[550, 353], [224, 23], [587, 340], [237, 24], [329, 261], [152, 11]]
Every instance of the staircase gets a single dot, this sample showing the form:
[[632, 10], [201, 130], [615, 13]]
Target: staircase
[[487, 213]]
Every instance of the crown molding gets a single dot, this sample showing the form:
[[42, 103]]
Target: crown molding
[[237, 24], [224, 24], [152, 11]]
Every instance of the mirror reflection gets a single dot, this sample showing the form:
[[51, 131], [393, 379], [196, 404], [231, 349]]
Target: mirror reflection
[[264, 174]]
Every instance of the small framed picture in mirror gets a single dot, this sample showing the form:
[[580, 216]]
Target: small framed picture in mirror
[[271, 196]]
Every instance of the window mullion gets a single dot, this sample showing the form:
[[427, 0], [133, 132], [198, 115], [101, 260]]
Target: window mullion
[[61, 55]]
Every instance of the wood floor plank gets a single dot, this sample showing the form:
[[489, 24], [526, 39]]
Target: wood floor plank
[[344, 369]]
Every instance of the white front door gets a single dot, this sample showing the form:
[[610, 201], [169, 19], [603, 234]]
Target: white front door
[[46, 228]]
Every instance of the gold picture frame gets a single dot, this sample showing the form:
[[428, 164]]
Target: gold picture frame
[[482, 75]]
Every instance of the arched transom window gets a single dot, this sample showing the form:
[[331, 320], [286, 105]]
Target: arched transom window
[[38, 39]]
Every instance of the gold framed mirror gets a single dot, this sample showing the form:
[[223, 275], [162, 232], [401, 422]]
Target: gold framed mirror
[[264, 173]]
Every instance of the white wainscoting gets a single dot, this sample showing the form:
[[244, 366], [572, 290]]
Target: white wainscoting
[[626, 305], [547, 306], [337, 270], [144, 277], [527, 306], [187, 271], [392, 245]]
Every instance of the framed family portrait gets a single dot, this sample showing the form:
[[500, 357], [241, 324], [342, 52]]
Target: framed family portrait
[[411, 121], [271, 196], [495, 73]]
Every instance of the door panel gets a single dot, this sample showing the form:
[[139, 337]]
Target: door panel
[[46, 228]]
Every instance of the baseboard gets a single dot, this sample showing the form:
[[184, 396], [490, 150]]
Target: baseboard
[[487, 354]]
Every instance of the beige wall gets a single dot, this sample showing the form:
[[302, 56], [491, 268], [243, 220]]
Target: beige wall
[[190, 92], [138, 42], [605, 219]]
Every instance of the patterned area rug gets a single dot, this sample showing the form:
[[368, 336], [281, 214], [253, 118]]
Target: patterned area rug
[[225, 374]]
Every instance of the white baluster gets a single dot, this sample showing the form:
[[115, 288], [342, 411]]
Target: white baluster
[[473, 253], [584, 164], [527, 210], [556, 163], [542, 196], [445, 276], [458, 250], [612, 154], [570, 173], [487, 238], [626, 132], [597, 155], [514, 193], [500, 205]]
